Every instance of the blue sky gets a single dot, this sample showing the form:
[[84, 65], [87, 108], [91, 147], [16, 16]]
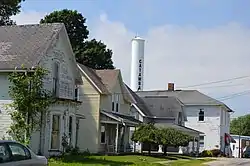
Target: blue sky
[[139, 15], [187, 41]]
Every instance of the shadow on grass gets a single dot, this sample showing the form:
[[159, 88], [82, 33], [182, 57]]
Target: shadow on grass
[[170, 156], [89, 160]]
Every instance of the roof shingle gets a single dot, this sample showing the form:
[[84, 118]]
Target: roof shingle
[[26, 44]]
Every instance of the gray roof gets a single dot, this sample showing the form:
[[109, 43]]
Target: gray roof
[[26, 44], [187, 97], [124, 118], [95, 78], [105, 80], [139, 102], [163, 106], [180, 128]]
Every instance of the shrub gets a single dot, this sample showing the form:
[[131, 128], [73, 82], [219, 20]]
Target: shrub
[[216, 152], [206, 153]]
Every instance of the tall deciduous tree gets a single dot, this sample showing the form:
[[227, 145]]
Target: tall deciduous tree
[[93, 53], [172, 137], [8, 8], [74, 23], [240, 125], [30, 102]]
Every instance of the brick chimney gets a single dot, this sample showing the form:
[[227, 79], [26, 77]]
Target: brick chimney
[[171, 86]]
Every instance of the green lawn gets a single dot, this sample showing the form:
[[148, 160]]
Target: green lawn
[[129, 160]]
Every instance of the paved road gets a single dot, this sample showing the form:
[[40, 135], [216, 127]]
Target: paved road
[[230, 162]]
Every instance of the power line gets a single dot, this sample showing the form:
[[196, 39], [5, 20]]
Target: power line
[[246, 92], [222, 86], [214, 82]]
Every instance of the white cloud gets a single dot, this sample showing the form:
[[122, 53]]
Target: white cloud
[[183, 55], [30, 17]]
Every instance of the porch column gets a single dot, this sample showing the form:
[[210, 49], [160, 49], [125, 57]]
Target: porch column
[[116, 137], [134, 143], [198, 145], [193, 148], [160, 148], [125, 137], [73, 136]]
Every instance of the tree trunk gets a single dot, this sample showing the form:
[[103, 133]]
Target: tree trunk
[[165, 150], [149, 149], [41, 132], [28, 123]]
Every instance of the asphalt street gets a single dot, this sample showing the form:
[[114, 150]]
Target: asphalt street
[[230, 162]]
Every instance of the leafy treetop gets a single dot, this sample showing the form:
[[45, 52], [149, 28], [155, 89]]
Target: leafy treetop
[[93, 53], [240, 125], [146, 133], [74, 23], [8, 8]]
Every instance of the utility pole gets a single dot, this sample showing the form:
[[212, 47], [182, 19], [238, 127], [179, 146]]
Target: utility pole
[[240, 132]]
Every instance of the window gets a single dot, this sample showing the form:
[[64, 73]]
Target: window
[[201, 115], [117, 102], [76, 93], [113, 102], [103, 135], [55, 133], [180, 118], [70, 129], [201, 141], [56, 79], [4, 154], [19, 152]]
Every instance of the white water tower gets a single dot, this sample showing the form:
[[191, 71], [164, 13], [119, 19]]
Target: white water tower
[[137, 64]]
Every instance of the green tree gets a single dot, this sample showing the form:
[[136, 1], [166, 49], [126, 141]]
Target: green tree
[[9, 8], [93, 53], [146, 133], [74, 23], [240, 125], [172, 137], [30, 103]]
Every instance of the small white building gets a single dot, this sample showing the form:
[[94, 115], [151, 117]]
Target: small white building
[[238, 146], [203, 113]]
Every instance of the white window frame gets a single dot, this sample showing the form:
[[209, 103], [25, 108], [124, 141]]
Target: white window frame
[[102, 125], [77, 98], [113, 102], [117, 102], [60, 127], [56, 89], [203, 141]]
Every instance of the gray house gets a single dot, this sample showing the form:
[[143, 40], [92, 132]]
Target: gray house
[[163, 111], [203, 113]]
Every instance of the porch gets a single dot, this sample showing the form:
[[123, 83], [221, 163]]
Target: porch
[[193, 146], [114, 132]]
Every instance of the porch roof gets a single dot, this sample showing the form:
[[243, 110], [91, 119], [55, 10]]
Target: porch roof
[[180, 128], [120, 118]]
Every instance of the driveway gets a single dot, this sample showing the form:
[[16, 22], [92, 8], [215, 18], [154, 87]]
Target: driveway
[[229, 162]]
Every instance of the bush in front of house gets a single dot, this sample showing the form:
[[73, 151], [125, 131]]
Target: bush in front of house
[[217, 152], [206, 153]]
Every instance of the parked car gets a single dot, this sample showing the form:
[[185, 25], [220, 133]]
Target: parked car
[[15, 154], [246, 152]]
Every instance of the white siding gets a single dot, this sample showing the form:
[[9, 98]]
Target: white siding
[[61, 53], [214, 125]]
